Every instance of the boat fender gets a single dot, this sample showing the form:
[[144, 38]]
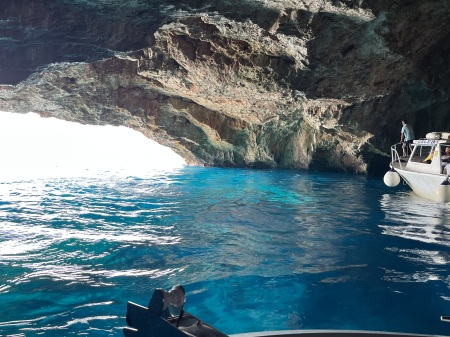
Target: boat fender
[[391, 178], [443, 191]]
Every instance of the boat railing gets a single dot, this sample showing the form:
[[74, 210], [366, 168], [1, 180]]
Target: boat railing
[[395, 156]]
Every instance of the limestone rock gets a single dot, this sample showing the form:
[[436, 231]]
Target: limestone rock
[[263, 84]]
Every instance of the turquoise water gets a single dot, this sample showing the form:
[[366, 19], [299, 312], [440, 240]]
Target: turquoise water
[[255, 250]]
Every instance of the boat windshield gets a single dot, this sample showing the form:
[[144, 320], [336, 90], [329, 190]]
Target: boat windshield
[[424, 153]]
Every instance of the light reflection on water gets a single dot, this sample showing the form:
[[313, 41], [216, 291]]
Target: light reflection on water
[[416, 218], [302, 250], [423, 221]]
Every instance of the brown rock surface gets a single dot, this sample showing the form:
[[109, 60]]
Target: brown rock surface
[[264, 84]]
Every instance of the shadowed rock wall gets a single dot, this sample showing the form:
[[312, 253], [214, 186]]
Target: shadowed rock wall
[[265, 84]]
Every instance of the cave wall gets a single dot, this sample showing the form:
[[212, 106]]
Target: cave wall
[[317, 85]]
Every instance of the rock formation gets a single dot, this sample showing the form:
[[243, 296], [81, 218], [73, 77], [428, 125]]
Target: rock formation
[[302, 84]]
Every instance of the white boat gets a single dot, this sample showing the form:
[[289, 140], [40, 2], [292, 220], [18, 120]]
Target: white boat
[[423, 169], [165, 317]]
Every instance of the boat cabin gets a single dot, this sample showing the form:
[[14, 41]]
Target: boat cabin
[[428, 154]]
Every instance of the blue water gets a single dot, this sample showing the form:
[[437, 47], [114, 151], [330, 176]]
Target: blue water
[[255, 250]]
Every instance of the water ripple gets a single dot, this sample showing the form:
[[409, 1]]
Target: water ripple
[[303, 250], [413, 218]]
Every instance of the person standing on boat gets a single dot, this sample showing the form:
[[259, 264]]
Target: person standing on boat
[[407, 136]]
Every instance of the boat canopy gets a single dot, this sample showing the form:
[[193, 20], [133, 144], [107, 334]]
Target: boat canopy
[[438, 135]]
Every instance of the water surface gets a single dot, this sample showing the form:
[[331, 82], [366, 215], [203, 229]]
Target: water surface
[[255, 250]]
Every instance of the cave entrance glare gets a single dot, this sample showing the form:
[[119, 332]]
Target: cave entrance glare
[[35, 147]]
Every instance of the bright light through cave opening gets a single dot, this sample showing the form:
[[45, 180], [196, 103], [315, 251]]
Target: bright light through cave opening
[[35, 147]]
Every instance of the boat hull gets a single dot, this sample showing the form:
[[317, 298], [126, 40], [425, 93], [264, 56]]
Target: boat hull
[[422, 184], [165, 317], [326, 333]]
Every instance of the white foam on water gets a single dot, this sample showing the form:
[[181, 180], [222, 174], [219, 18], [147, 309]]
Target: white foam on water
[[35, 147]]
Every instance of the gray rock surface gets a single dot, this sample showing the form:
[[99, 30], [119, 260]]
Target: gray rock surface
[[258, 83]]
